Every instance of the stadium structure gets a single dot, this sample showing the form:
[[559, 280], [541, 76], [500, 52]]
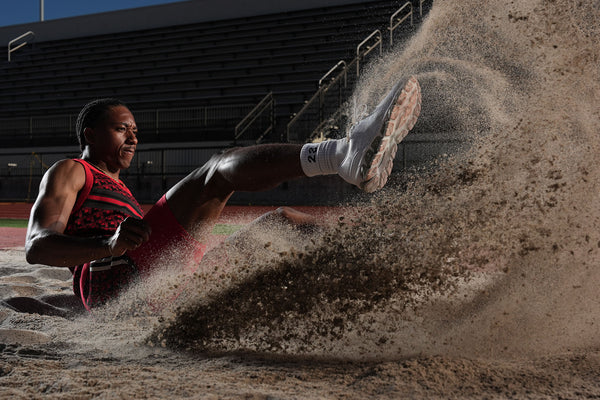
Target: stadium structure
[[200, 76]]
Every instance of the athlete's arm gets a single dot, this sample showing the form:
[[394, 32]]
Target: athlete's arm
[[46, 242]]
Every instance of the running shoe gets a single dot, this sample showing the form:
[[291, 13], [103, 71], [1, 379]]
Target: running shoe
[[373, 141]]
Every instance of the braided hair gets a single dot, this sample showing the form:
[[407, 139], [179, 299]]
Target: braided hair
[[93, 113]]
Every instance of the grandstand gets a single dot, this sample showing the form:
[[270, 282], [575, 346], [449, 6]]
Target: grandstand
[[193, 75]]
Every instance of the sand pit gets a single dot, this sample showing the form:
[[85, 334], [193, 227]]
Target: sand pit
[[106, 356], [473, 278]]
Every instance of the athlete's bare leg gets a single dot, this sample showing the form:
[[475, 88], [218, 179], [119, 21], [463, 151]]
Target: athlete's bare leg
[[58, 305], [198, 199], [364, 159]]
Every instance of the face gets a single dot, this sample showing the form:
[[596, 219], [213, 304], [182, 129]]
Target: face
[[113, 140]]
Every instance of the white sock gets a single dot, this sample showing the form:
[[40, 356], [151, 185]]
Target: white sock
[[323, 158]]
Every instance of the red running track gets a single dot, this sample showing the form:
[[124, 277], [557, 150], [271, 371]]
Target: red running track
[[15, 237]]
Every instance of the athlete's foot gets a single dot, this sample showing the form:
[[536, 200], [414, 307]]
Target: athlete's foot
[[373, 142]]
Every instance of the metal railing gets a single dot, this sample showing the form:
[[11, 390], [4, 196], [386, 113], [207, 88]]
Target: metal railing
[[395, 21], [322, 109], [317, 111], [266, 105], [316, 119], [16, 40], [341, 63], [376, 34], [325, 104]]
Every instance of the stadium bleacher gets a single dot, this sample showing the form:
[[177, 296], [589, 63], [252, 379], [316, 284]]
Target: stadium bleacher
[[188, 84], [232, 63]]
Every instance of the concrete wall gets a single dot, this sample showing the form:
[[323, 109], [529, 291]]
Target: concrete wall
[[158, 166], [181, 13]]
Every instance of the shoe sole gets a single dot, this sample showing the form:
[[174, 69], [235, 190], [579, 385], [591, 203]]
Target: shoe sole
[[400, 120]]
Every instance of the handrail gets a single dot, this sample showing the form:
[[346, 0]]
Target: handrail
[[249, 119], [301, 111], [323, 87], [370, 49], [336, 66], [319, 96], [393, 26], [29, 33]]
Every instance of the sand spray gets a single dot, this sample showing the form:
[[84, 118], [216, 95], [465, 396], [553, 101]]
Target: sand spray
[[491, 250]]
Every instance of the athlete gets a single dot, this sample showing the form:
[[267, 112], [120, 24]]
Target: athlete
[[86, 219]]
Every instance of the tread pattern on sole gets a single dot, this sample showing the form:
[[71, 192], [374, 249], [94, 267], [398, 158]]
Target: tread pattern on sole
[[402, 119]]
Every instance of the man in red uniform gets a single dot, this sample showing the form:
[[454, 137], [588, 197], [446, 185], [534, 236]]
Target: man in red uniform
[[85, 218]]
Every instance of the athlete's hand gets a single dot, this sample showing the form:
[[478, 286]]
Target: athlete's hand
[[129, 235]]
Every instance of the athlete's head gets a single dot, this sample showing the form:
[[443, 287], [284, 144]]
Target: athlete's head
[[93, 113]]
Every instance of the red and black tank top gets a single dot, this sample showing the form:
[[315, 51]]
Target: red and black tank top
[[101, 205]]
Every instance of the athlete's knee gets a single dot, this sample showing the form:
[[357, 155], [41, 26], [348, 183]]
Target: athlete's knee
[[296, 217], [214, 171], [204, 182]]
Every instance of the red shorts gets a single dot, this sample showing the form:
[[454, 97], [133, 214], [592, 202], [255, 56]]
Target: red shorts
[[169, 245]]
